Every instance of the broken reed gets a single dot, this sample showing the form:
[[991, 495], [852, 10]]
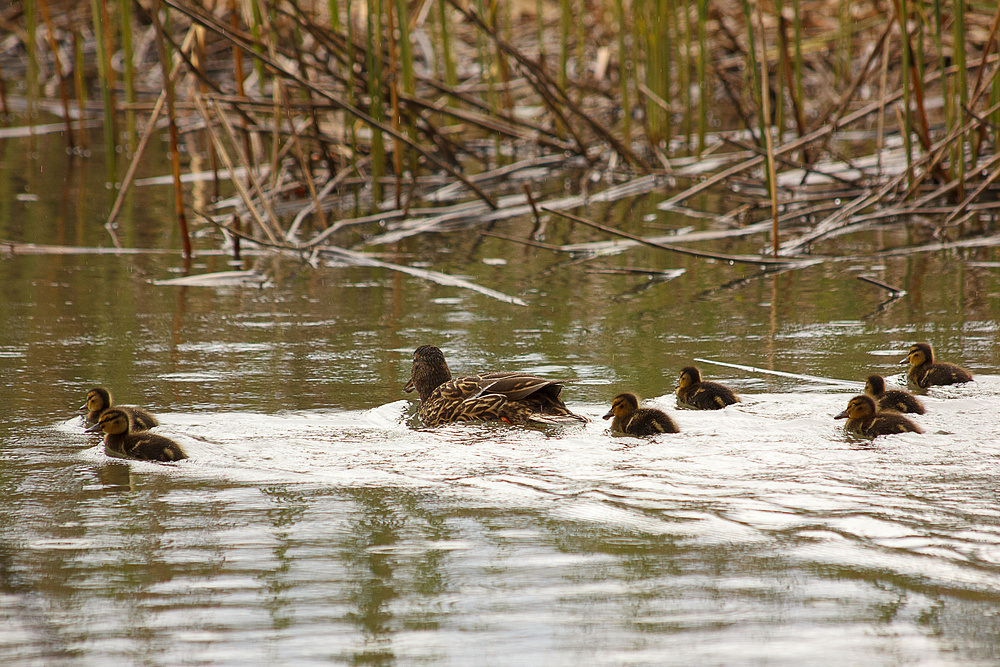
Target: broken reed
[[669, 64]]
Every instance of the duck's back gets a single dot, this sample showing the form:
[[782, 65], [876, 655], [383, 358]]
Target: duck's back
[[938, 374], [886, 423], [900, 401], [144, 447], [645, 421], [707, 396]]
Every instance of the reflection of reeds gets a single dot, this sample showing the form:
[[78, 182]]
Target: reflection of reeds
[[358, 107]]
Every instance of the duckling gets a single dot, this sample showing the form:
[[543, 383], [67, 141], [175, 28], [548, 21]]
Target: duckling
[[691, 391], [631, 419], [99, 399], [121, 440], [863, 419], [892, 399], [925, 373], [511, 396]]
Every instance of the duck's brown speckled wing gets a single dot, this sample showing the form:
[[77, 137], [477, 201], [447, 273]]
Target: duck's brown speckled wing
[[484, 397]]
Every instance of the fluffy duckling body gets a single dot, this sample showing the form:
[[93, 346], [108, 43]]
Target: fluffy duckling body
[[925, 373], [695, 393], [121, 440], [631, 419], [99, 399], [892, 399], [518, 398], [864, 419]]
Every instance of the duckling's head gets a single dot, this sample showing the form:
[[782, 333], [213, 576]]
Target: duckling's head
[[858, 407], [875, 385], [689, 375], [113, 421], [98, 399], [918, 354], [622, 405], [429, 371]]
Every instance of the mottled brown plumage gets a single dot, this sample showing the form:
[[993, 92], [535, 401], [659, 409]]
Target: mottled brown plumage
[[925, 373], [515, 397], [864, 419], [892, 399], [631, 419], [99, 399], [121, 440], [694, 393]]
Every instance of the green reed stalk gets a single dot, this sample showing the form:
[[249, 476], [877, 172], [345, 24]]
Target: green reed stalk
[[564, 23], [374, 66], [657, 36], [624, 57], [907, 129], [685, 73], [393, 84], [450, 70], [409, 77], [994, 100], [755, 72], [845, 29], [31, 25], [125, 16], [334, 15], [949, 104], [107, 87], [800, 91], [961, 82], [539, 30], [702, 69]]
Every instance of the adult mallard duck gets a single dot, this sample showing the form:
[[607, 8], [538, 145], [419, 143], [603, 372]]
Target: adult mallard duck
[[121, 440], [518, 398], [631, 419], [99, 399], [925, 373], [864, 419], [892, 399], [693, 392]]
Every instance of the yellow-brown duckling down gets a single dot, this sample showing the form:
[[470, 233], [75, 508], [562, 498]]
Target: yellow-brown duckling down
[[122, 441], [892, 399], [99, 399], [515, 397], [924, 372], [693, 392], [863, 418], [630, 418]]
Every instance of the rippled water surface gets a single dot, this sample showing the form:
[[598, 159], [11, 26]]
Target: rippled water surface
[[317, 521]]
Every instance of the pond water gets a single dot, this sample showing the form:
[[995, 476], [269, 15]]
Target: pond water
[[317, 522]]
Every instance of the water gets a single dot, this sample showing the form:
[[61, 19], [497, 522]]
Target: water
[[317, 522]]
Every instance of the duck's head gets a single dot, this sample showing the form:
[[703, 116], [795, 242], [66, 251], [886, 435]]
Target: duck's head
[[98, 399], [918, 354], [874, 385], [622, 405], [689, 375], [858, 407], [429, 371], [113, 421]]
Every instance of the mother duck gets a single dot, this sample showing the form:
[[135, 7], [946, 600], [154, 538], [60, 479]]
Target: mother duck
[[515, 397]]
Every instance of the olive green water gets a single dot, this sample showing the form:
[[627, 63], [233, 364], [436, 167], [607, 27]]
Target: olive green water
[[316, 522]]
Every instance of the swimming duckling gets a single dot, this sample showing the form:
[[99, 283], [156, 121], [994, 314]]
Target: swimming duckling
[[692, 392], [99, 399], [863, 419], [631, 419], [925, 373], [121, 440], [892, 399], [512, 396]]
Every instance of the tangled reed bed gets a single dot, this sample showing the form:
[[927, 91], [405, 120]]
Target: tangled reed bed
[[339, 126]]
